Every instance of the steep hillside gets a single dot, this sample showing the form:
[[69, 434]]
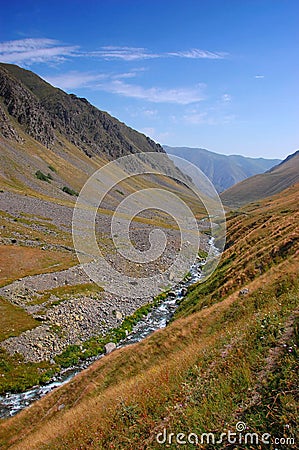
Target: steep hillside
[[50, 144], [229, 356], [260, 186], [224, 171], [44, 111]]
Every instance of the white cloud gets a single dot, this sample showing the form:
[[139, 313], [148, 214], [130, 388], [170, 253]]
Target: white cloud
[[29, 51], [181, 96], [139, 53], [210, 117], [142, 111], [73, 80], [114, 84], [37, 50], [149, 113], [259, 76], [124, 53], [197, 118], [226, 98], [155, 135], [196, 53]]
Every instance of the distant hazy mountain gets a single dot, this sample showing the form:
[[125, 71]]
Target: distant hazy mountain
[[224, 171], [260, 186]]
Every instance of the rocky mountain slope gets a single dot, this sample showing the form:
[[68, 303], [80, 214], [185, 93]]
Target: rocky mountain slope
[[50, 144], [224, 171], [47, 113], [260, 186]]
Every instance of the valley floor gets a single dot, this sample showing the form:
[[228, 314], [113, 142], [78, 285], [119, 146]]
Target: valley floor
[[228, 359]]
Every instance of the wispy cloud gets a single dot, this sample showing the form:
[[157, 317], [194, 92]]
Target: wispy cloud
[[29, 51], [181, 96], [151, 113], [196, 53], [259, 76], [142, 111], [42, 50], [74, 79], [124, 53], [226, 98], [197, 118], [155, 135], [139, 53], [114, 84], [212, 116]]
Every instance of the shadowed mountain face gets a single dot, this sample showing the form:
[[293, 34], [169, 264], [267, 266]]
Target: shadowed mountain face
[[51, 141], [264, 185], [47, 114], [224, 171]]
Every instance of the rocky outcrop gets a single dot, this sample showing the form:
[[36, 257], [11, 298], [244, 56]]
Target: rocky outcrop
[[22, 104], [6, 128], [46, 113], [73, 321]]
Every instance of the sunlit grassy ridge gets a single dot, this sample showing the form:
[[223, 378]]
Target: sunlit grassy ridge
[[227, 357], [272, 182]]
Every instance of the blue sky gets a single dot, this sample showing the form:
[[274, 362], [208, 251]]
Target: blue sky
[[216, 74]]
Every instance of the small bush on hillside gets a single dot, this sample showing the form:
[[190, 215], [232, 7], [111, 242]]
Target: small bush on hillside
[[41, 176], [69, 191]]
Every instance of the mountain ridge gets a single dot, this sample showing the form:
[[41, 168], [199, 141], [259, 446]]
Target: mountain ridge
[[223, 170], [260, 186], [92, 130]]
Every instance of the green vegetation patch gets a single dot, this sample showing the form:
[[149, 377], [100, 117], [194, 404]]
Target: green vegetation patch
[[16, 375], [14, 320], [70, 191], [41, 176], [95, 345]]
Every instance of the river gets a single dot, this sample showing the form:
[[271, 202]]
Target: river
[[12, 403]]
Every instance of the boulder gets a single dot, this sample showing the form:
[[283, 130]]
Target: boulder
[[244, 291], [110, 347]]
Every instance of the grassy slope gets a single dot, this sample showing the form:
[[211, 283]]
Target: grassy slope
[[51, 245], [260, 186], [226, 358]]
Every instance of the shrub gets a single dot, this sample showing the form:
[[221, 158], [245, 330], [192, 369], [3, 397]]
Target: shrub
[[69, 191], [41, 176]]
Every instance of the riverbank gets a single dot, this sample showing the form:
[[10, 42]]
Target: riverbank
[[139, 325]]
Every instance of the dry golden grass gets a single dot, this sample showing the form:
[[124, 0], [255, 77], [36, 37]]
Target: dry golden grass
[[17, 262], [122, 400], [148, 376]]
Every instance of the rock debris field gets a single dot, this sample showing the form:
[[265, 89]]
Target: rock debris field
[[71, 319]]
